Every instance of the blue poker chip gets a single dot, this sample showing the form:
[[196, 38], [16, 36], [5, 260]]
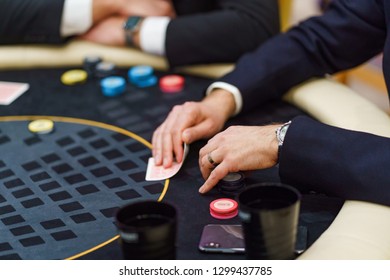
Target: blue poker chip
[[151, 81], [142, 76], [139, 73], [113, 86]]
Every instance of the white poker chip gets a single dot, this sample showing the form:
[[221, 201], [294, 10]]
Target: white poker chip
[[41, 126]]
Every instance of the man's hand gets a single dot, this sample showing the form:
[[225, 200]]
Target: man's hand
[[109, 16], [190, 122], [108, 32], [238, 148], [103, 9], [147, 8]]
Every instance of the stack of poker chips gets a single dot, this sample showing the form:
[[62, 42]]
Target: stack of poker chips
[[90, 63], [223, 208], [142, 76], [113, 86], [232, 184]]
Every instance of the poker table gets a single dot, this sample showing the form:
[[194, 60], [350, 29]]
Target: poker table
[[63, 188]]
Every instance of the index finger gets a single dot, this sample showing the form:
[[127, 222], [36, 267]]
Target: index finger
[[216, 175]]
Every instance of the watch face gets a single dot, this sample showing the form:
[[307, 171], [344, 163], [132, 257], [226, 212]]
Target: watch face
[[282, 132], [131, 23], [130, 27]]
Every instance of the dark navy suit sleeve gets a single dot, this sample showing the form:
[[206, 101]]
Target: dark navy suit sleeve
[[349, 33], [348, 164], [30, 21], [334, 161], [219, 31]]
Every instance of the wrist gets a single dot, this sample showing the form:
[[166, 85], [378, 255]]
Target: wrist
[[230, 89], [131, 27], [281, 132], [223, 101]]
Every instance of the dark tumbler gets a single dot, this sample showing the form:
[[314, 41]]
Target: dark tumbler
[[269, 215], [147, 230]]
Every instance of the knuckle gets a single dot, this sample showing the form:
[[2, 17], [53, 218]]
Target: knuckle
[[166, 134], [176, 109]]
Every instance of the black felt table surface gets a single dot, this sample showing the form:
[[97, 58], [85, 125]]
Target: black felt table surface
[[139, 111]]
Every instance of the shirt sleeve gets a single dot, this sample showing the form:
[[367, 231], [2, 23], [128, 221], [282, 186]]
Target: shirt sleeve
[[230, 88], [152, 35], [76, 17]]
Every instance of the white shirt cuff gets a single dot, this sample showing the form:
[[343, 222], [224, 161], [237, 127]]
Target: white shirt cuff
[[230, 88], [76, 17], [152, 35]]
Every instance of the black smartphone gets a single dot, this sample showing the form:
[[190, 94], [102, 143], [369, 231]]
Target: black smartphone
[[217, 238]]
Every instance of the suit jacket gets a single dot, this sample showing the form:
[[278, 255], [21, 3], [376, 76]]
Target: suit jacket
[[30, 21], [208, 31], [352, 165], [205, 30]]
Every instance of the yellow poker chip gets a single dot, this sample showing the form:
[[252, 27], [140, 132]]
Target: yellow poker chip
[[41, 126], [73, 77]]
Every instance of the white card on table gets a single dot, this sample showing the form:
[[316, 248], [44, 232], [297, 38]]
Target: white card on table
[[9, 91], [157, 173]]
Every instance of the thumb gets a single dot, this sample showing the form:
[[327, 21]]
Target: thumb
[[197, 132]]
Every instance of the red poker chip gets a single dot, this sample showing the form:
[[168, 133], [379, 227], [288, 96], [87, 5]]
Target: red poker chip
[[171, 83], [224, 208]]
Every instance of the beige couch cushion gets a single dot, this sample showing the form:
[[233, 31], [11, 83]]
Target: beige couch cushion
[[73, 53]]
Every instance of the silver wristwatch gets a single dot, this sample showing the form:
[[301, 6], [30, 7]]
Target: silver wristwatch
[[280, 134]]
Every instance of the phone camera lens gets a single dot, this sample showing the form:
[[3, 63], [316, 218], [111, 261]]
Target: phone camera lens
[[212, 245]]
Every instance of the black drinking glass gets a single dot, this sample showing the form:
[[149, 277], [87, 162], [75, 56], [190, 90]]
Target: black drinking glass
[[269, 215], [147, 230]]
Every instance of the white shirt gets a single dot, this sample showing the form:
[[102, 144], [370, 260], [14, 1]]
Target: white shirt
[[76, 17]]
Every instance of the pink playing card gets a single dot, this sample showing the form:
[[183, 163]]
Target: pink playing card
[[156, 173], [10, 91]]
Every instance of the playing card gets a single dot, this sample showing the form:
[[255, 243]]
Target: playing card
[[156, 173], [9, 91]]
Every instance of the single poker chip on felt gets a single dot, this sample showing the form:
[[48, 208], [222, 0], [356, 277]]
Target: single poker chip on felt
[[224, 208], [105, 69], [41, 126], [113, 86], [73, 77], [171, 83]]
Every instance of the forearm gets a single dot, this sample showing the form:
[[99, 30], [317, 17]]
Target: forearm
[[222, 34], [27, 21], [337, 162], [102, 9], [319, 46]]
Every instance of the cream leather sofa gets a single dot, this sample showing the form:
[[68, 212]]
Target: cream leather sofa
[[360, 231]]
